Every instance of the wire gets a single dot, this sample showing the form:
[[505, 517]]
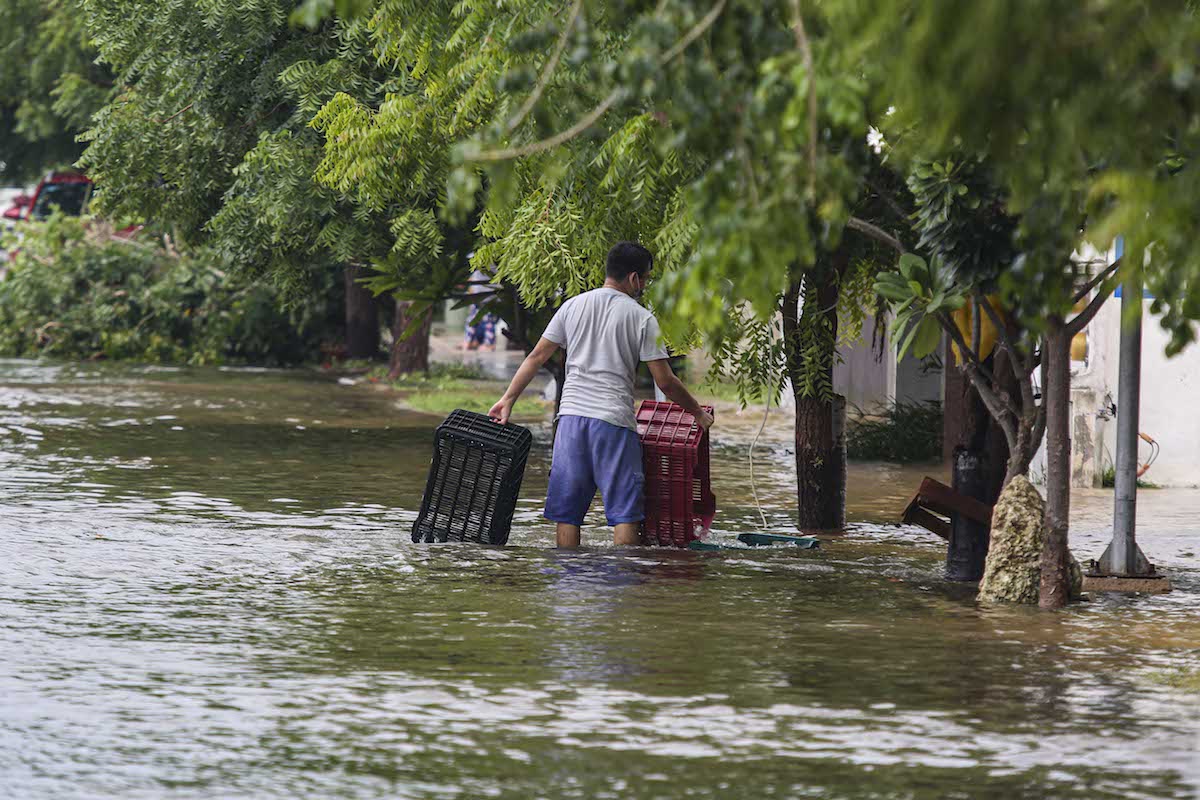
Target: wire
[[761, 428], [1155, 449]]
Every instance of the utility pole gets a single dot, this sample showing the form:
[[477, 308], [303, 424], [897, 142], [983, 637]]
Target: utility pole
[[1123, 566]]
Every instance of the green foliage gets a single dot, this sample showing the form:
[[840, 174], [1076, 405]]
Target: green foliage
[[962, 218], [684, 126], [210, 138], [904, 433], [1089, 134], [749, 357], [74, 292], [1108, 480], [198, 86], [49, 86], [921, 293]]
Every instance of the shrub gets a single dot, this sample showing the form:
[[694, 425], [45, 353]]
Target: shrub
[[904, 433], [75, 291]]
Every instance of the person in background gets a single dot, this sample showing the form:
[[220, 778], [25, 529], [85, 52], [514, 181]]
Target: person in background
[[479, 335], [606, 333]]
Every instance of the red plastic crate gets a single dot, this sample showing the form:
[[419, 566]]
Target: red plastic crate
[[679, 498]]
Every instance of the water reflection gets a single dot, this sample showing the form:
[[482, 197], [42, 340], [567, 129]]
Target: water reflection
[[209, 591]]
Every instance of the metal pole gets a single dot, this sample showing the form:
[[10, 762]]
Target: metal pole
[[1123, 551], [1123, 567]]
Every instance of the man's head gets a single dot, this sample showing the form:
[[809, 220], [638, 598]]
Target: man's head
[[628, 267]]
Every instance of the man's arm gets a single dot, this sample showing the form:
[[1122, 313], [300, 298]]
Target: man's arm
[[529, 368], [676, 392]]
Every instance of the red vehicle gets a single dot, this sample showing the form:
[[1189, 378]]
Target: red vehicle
[[67, 191], [19, 208]]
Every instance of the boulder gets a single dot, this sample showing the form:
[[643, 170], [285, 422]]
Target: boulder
[[1013, 569]]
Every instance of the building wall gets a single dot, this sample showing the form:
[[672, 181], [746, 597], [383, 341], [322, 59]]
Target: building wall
[[864, 376], [1170, 397], [872, 380]]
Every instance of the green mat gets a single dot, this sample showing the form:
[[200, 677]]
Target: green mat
[[772, 539], [760, 540]]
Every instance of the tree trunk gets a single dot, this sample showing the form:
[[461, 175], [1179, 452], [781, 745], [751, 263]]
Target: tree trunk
[[968, 425], [1055, 585], [820, 463], [409, 354], [820, 420], [362, 316], [967, 548]]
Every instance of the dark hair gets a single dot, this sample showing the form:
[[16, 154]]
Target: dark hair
[[627, 257]]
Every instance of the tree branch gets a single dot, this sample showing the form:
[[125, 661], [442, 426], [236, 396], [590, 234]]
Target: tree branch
[[974, 364], [1081, 320], [700, 27], [1039, 428], [976, 326], [806, 54], [1022, 370], [888, 199], [547, 70], [1094, 282], [877, 233], [589, 119], [1026, 369], [997, 406], [176, 114]]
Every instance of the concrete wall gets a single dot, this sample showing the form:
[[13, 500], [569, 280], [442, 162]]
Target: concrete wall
[[1170, 400], [864, 376], [871, 380]]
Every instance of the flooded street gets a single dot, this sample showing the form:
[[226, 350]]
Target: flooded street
[[208, 590]]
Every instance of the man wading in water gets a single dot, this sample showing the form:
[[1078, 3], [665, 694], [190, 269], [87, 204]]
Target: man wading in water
[[606, 333]]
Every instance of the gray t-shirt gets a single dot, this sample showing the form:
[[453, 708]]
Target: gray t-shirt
[[605, 333]]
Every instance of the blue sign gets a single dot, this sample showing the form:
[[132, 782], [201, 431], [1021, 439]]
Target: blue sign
[[1120, 248]]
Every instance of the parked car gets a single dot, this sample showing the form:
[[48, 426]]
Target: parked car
[[67, 191], [18, 207]]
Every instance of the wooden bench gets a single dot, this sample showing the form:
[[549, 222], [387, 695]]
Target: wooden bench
[[934, 498]]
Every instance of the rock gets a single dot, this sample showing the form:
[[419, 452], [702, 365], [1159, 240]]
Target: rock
[[1013, 569]]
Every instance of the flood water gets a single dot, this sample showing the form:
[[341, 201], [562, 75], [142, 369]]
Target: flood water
[[208, 591]]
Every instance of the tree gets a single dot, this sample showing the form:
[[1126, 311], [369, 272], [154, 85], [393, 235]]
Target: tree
[[208, 137], [730, 136], [1086, 136], [50, 85]]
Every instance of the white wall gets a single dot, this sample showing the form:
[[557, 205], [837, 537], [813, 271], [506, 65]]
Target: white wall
[[1170, 404], [864, 376], [1170, 396]]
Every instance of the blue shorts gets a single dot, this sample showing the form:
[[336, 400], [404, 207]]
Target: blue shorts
[[590, 454]]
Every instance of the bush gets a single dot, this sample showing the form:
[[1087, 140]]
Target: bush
[[904, 433], [76, 292]]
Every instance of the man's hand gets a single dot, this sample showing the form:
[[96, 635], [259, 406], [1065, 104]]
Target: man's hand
[[503, 410], [529, 367], [704, 420]]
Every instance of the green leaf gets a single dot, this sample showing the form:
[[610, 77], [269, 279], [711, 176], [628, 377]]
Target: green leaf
[[893, 288], [929, 336], [914, 268], [907, 340]]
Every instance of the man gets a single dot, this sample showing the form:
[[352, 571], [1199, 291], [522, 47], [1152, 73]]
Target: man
[[606, 332]]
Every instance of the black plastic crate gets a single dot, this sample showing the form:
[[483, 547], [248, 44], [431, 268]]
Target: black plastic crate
[[474, 480]]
